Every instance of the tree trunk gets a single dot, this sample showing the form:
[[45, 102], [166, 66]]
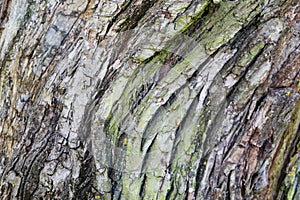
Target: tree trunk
[[150, 99]]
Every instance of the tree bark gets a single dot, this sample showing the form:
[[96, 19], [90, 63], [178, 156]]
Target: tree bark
[[150, 99]]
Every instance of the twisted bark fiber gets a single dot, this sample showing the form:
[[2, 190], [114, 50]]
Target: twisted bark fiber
[[149, 99]]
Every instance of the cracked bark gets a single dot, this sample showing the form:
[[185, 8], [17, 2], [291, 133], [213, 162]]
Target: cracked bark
[[139, 99]]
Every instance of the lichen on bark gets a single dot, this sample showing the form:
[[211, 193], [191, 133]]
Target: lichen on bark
[[138, 99]]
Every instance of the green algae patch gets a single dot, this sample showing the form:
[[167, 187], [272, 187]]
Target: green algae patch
[[230, 19], [249, 56], [196, 17], [257, 48], [131, 187], [129, 96], [290, 179]]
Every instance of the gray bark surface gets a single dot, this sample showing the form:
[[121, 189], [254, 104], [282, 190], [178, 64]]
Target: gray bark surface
[[149, 99]]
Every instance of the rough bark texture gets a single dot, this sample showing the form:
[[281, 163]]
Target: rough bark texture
[[149, 99]]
